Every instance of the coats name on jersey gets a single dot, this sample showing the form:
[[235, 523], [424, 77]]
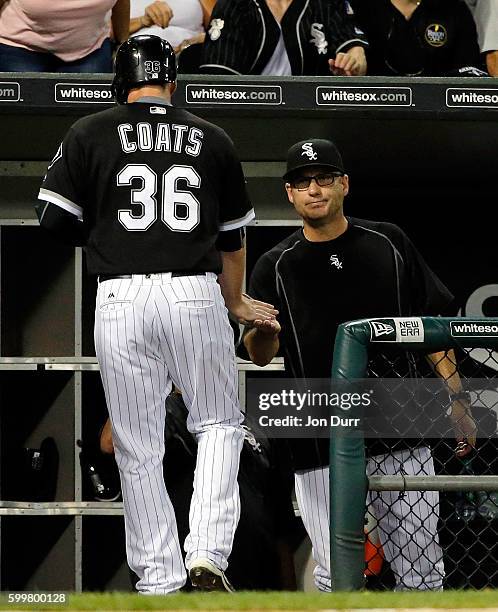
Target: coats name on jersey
[[160, 137]]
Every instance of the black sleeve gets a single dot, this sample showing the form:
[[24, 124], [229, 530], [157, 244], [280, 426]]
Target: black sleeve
[[64, 183], [466, 46], [236, 209], [65, 226], [263, 284], [428, 295], [263, 287], [345, 31], [231, 240], [224, 50]]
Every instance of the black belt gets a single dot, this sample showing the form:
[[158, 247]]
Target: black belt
[[104, 277]]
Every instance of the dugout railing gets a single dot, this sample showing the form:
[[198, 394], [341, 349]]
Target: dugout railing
[[461, 528]]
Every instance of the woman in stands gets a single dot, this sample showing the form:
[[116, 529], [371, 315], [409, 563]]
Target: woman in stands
[[60, 35], [181, 22]]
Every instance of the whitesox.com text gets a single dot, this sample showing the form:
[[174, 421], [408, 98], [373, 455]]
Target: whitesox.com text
[[236, 94]]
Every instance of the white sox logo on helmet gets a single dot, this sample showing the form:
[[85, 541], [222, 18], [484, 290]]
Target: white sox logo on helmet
[[308, 150]]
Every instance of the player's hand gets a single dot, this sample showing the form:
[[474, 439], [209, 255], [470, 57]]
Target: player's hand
[[351, 63], [158, 13], [464, 427], [247, 311], [271, 327]]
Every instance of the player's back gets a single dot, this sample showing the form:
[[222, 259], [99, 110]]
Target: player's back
[[155, 183]]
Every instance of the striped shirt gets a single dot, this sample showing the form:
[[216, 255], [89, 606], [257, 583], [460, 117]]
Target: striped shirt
[[243, 35]]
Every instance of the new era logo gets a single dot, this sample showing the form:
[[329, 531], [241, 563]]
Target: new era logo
[[402, 329], [381, 329]]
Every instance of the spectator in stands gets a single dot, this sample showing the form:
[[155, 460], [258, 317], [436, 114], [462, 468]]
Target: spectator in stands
[[60, 36], [486, 17], [418, 37], [283, 37], [181, 22]]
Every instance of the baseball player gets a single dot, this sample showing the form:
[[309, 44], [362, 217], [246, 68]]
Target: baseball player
[[335, 269], [267, 527], [157, 197]]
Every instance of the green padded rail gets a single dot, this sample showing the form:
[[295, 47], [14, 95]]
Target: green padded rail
[[348, 482]]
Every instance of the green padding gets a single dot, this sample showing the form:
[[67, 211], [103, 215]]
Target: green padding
[[347, 454], [347, 471], [347, 512]]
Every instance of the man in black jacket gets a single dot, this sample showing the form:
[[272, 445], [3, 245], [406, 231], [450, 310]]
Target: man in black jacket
[[332, 270]]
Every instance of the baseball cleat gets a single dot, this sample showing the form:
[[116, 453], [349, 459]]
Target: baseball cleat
[[205, 576]]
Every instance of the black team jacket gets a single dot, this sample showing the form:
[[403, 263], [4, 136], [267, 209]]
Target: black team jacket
[[243, 35]]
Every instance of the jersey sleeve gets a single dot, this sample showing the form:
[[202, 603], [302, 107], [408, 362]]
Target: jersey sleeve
[[263, 283], [344, 29], [64, 182], [263, 287], [428, 295], [235, 206]]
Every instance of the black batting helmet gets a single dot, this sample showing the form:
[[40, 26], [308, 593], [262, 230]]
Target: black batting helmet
[[142, 60]]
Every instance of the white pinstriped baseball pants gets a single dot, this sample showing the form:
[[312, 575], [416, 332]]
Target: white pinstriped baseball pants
[[152, 331], [407, 523]]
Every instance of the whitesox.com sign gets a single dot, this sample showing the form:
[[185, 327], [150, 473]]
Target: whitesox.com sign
[[83, 93], [473, 329]]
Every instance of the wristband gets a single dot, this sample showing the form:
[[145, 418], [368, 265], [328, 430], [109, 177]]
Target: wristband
[[460, 396]]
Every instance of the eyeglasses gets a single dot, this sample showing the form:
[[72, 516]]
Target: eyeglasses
[[301, 183]]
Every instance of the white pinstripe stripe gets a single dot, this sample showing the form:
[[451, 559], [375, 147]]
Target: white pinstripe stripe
[[313, 501], [157, 336], [407, 525]]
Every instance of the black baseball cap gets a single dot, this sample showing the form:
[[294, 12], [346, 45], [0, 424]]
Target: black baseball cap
[[313, 152]]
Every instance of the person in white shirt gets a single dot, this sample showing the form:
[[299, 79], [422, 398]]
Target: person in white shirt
[[180, 22], [486, 17]]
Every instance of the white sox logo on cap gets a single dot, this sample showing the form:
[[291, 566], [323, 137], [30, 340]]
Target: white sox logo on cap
[[308, 150]]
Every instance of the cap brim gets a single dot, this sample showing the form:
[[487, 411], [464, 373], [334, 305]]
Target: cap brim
[[289, 173]]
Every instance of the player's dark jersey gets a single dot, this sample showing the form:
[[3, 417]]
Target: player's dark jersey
[[153, 185], [372, 270]]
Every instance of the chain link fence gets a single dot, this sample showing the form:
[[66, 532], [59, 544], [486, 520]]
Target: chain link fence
[[433, 539]]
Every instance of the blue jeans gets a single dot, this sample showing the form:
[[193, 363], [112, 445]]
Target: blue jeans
[[16, 59]]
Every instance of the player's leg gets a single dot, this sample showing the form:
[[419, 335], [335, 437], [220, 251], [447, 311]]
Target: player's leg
[[312, 494], [202, 362], [136, 383], [407, 522]]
